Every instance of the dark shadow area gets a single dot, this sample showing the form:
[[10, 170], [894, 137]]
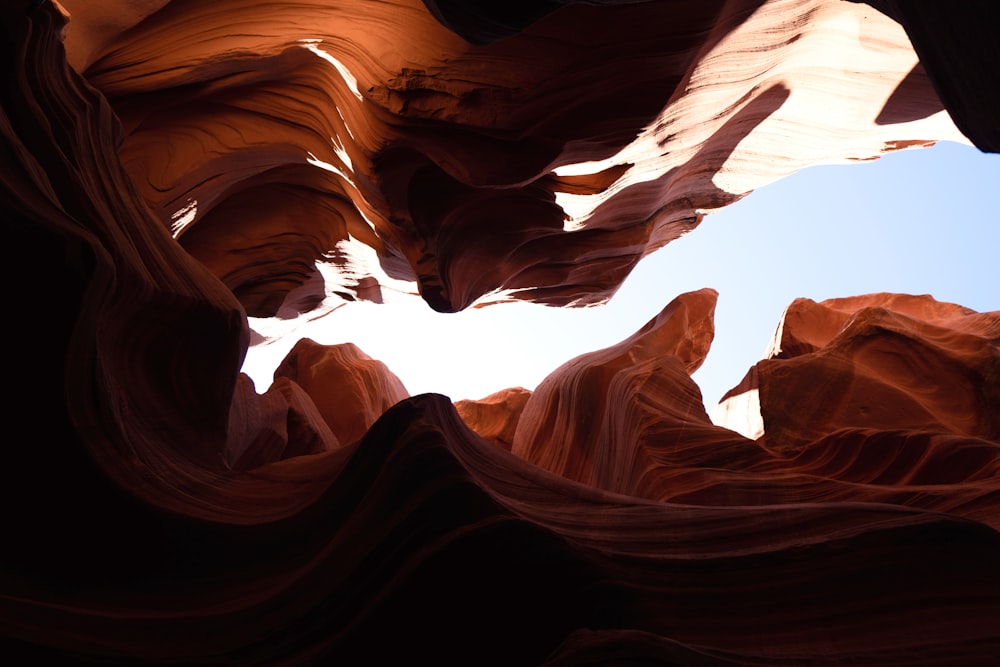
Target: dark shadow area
[[958, 47], [913, 99], [481, 23]]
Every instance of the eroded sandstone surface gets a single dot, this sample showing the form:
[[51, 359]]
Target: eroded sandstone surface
[[341, 147], [173, 166]]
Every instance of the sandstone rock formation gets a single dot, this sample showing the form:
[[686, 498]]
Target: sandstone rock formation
[[350, 389], [935, 363], [496, 416], [362, 145], [624, 418], [884, 398], [171, 166]]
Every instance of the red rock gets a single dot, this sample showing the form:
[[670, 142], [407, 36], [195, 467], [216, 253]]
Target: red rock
[[464, 167], [157, 510], [495, 417], [887, 362], [279, 424], [628, 418], [349, 389]]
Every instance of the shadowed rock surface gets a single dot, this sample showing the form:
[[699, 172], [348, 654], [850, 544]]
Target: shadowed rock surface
[[175, 165]]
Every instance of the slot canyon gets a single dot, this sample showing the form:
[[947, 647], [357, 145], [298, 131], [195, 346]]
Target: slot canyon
[[183, 181]]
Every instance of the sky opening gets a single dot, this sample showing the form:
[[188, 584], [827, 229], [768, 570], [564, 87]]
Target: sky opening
[[920, 221]]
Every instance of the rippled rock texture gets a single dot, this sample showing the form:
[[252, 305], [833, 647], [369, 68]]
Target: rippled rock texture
[[334, 150], [170, 167]]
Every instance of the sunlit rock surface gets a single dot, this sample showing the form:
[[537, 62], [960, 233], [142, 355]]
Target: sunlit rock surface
[[350, 389], [180, 164], [625, 418], [883, 398], [887, 361], [349, 145], [496, 416]]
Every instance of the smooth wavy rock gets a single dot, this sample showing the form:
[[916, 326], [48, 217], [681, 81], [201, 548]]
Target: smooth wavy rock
[[348, 146], [421, 499], [157, 510], [280, 424], [888, 361], [495, 417], [627, 418], [322, 397], [349, 389], [962, 67]]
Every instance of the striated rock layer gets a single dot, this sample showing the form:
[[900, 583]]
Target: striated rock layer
[[883, 398], [495, 417], [934, 364], [178, 164], [332, 150]]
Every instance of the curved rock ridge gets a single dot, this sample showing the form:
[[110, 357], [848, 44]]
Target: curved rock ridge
[[157, 510], [585, 421], [421, 497], [322, 397], [887, 361], [350, 389], [282, 423], [348, 147], [496, 416], [964, 77], [629, 419]]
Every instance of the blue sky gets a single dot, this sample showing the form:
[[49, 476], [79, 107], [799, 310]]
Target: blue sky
[[922, 221]]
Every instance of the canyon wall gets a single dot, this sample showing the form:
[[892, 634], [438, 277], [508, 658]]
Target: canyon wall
[[172, 167]]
